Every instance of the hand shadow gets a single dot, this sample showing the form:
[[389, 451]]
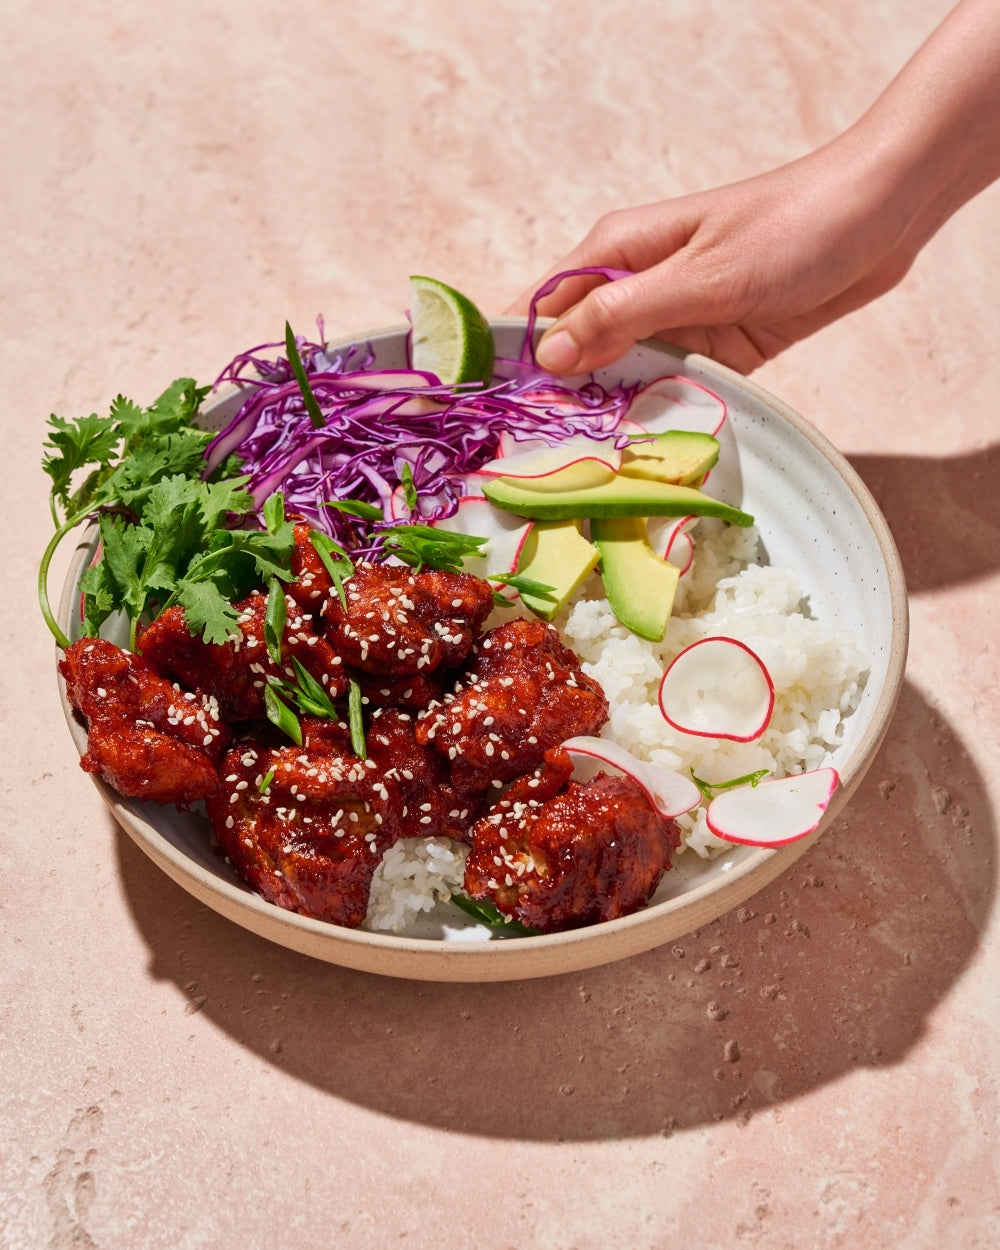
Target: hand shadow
[[836, 965], [944, 513]]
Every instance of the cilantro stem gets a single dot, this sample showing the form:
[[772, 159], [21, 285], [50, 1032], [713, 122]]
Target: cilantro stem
[[43, 577]]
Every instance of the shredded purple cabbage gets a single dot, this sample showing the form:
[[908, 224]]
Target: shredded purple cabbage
[[392, 434], [604, 271]]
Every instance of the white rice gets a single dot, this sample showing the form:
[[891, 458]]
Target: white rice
[[818, 675], [414, 876]]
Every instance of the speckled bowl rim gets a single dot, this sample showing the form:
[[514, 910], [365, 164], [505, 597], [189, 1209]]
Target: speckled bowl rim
[[545, 955]]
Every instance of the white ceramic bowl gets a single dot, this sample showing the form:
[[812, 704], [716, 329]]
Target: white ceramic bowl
[[814, 515]]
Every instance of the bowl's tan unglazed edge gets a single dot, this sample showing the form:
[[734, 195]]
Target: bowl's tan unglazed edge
[[548, 955]]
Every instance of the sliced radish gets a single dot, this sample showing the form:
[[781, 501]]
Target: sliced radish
[[399, 509], [505, 536], [507, 444], [554, 400], [670, 540], [773, 812], [681, 552], [579, 460], [386, 380], [670, 793], [632, 429], [677, 404], [717, 688]]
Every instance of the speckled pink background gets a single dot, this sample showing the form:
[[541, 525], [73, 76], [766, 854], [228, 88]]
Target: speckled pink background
[[816, 1069]]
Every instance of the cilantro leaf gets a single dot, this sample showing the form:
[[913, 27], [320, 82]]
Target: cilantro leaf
[[74, 445], [207, 610]]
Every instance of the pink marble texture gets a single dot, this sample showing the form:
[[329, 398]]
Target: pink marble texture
[[818, 1068]]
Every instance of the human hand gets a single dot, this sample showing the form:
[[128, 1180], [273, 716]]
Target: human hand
[[738, 273]]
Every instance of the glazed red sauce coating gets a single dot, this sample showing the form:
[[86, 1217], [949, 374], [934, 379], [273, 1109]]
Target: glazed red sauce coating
[[396, 622], [235, 672], [479, 717], [146, 738], [526, 692], [310, 837], [591, 852]]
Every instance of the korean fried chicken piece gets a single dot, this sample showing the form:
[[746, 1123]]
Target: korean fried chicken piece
[[307, 826], [235, 672], [431, 806], [398, 622], [591, 852], [412, 693], [525, 692], [305, 831], [145, 737]]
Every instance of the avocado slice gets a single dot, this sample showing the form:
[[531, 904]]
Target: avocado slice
[[681, 457], [622, 497], [640, 585], [556, 554]]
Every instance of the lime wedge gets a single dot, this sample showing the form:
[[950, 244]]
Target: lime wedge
[[451, 337]]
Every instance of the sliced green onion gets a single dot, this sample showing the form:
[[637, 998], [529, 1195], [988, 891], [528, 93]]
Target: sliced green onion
[[708, 788], [275, 615], [274, 512], [295, 360], [487, 913], [355, 507], [339, 569], [310, 695], [408, 485], [281, 715], [355, 721]]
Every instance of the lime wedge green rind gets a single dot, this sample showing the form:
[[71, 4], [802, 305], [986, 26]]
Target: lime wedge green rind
[[451, 338]]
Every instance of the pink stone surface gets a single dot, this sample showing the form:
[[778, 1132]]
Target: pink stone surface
[[818, 1068]]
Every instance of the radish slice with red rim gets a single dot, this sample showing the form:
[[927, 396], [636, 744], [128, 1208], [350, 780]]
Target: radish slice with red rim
[[717, 688], [669, 539], [681, 552], [675, 403], [773, 812], [595, 458], [505, 536], [670, 793]]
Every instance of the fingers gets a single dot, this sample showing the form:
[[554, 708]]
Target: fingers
[[566, 294], [612, 318], [632, 239]]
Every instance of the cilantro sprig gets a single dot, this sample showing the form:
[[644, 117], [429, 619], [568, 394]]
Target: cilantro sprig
[[168, 535]]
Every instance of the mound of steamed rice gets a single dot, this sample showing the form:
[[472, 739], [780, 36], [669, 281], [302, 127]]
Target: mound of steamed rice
[[818, 676]]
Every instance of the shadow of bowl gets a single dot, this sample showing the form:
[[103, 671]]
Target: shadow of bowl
[[836, 965]]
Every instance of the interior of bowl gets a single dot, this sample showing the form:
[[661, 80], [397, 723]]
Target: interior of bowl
[[813, 515]]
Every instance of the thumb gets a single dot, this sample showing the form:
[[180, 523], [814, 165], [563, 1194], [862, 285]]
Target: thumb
[[612, 318]]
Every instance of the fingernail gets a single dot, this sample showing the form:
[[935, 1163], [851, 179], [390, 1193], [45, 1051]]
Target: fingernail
[[558, 352]]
